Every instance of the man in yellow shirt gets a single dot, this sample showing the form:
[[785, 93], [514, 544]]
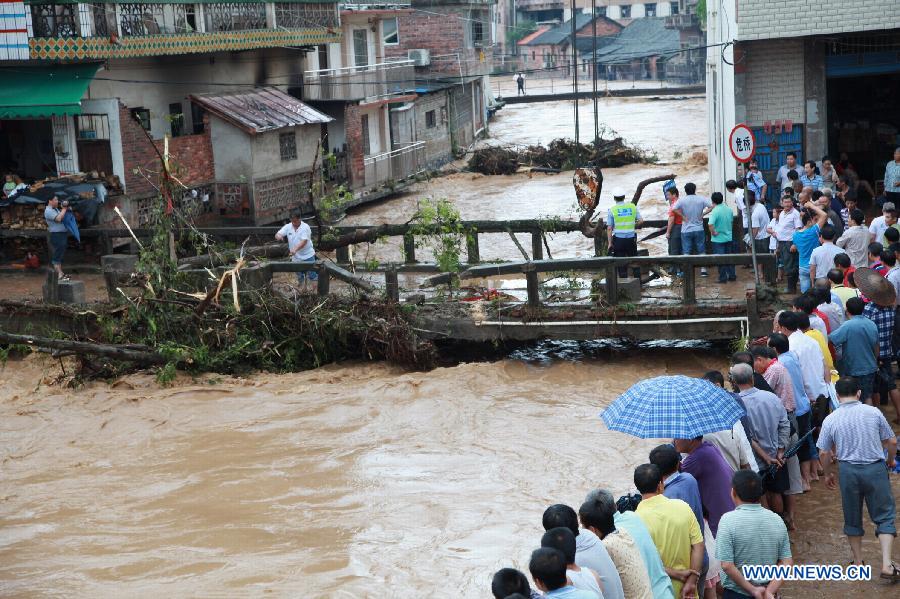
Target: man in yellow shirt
[[674, 530]]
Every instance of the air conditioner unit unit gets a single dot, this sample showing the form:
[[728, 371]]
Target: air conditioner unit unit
[[420, 57]]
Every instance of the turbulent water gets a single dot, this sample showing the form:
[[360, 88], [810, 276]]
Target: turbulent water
[[356, 480]]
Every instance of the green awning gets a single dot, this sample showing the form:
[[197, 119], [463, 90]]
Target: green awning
[[35, 92]]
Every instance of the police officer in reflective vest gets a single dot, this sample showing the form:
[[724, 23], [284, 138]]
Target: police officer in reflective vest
[[621, 221]]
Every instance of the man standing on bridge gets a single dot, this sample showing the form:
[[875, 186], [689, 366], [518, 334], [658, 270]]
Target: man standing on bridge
[[622, 220]]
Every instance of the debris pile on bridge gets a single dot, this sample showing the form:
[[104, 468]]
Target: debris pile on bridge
[[559, 155]]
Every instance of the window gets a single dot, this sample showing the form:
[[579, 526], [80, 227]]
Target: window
[[650, 9], [91, 126], [477, 33], [673, 8], [54, 20], [287, 145], [601, 11], [364, 129], [360, 48], [533, 55], [155, 19], [197, 118], [142, 116], [430, 119], [626, 11], [176, 119], [300, 15], [240, 16], [391, 31]]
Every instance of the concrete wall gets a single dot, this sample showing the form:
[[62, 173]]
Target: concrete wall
[[267, 160], [111, 109], [232, 152], [437, 139], [190, 74], [765, 19]]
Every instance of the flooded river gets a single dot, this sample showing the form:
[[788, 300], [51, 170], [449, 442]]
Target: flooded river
[[354, 480]]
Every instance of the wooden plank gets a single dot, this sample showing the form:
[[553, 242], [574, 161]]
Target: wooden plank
[[323, 283], [534, 288], [342, 254], [409, 249], [348, 277], [473, 252], [537, 245], [612, 285], [690, 284], [392, 285], [512, 236]]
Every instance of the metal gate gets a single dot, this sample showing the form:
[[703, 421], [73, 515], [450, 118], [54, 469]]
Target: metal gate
[[771, 152]]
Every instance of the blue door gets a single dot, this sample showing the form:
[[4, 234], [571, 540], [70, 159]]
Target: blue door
[[771, 152]]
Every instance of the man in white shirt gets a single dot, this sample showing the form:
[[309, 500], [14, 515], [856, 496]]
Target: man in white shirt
[[822, 258], [788, 223], [855, 240], [880, 224], [808, 353], [300, 246], [782, 176]]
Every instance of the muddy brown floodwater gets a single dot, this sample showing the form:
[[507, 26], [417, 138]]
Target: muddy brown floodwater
[[354, 480]]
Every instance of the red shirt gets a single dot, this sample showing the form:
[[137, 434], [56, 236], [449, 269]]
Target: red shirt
[[847, 273], [678, 219]]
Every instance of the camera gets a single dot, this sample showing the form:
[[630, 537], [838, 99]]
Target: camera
[[65, 203]]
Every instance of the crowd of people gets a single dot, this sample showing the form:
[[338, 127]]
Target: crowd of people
[[817, 206], [708, 507], [812, 393]]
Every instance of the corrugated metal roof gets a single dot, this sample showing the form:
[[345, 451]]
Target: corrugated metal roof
[[561, 32], [261, 109]]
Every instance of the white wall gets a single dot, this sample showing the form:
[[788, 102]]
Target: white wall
[[232, 154], [111, 109], [267, 160], [720, 92], [759, 19]]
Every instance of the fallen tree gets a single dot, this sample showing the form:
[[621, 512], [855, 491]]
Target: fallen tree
[[560, 154]]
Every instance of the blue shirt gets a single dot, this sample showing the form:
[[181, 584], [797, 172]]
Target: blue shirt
[[755, 183], [570, 592], [857, 430], [660, 583], [806, 241], [892, 177], [792, 364], [815, 182], [857, 336], [683, 486], [50, 215]]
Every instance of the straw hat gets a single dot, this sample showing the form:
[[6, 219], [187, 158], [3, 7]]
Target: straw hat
[[875, 287]]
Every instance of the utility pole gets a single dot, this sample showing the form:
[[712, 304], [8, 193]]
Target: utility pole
[[575, 72], [594, 71]]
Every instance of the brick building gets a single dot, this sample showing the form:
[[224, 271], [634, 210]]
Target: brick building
[[549, 54], [102, 86], [825, 84]]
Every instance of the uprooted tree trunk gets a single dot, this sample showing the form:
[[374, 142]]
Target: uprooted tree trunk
[[590, 229]]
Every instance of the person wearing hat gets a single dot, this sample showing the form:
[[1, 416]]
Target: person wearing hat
[[691, 209], [622, 220], [880, 310]]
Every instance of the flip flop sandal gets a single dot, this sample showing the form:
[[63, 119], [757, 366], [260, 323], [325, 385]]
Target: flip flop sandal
[[893, 576]]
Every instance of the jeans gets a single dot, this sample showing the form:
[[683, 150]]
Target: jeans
[[869, 483], [310, 275], [805, 283], [726, 271], [693, 243]]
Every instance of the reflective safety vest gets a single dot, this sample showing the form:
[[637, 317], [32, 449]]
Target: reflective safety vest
[[624, 217]]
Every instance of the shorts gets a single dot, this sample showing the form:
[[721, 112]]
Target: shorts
[[884, 378], [775, 480], [307, 275], [866, 386], [804, 423], [869, 483], [58, 242]]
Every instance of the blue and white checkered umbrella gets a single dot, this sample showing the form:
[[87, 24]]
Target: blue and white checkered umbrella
[[672, 407]]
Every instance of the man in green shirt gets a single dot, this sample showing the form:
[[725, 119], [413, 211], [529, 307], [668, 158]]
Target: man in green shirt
[[720, 219], [750, 535]]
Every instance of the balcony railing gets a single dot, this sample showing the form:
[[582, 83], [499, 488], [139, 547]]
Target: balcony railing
[[141, 19], [357, 83], [395, 165], [540, 4]]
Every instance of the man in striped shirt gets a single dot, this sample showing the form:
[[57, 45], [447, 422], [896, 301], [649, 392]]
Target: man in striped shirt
[[750, 535], [857, 435]]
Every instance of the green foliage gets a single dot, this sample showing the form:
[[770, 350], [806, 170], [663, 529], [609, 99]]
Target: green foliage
[[437, 225], [15, 349], [701, 13], [520, 30], [332, 204]]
